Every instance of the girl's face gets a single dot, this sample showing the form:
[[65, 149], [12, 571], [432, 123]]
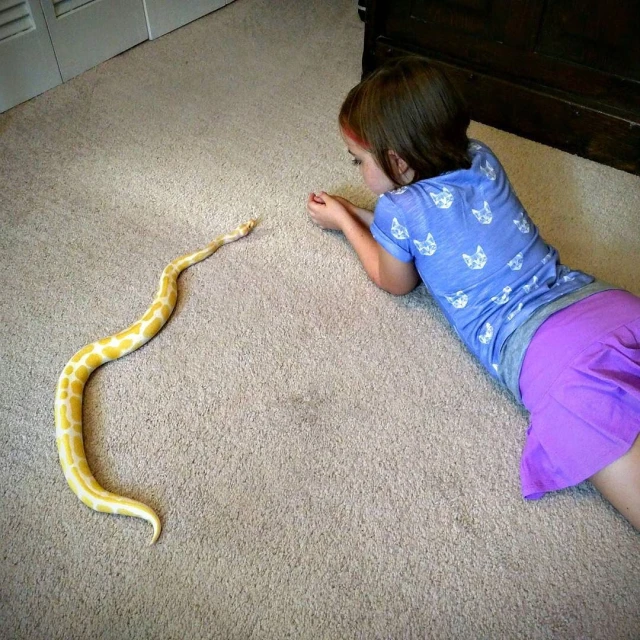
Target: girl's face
[[374, 177], [372, 174]]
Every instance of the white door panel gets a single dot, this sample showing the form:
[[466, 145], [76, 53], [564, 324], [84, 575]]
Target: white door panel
[[167, 15], [46, 42], [27, 62], [87, 32]]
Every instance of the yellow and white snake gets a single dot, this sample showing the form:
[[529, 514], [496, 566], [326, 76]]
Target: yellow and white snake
[[68, 403]]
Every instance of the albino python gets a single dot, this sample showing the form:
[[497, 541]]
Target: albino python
[[68, 404]]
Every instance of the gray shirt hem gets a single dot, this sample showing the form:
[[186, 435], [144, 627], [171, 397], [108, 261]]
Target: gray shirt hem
[[514, 349]]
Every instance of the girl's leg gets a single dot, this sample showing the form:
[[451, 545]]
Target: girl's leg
[[619, 483]]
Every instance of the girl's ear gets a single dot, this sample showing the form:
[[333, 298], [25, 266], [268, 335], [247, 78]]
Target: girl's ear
[[404, 172]]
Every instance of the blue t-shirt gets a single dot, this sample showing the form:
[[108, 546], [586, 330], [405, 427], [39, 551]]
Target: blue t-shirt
[[477, 251]]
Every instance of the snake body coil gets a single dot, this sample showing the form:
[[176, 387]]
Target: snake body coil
[[69, 392]]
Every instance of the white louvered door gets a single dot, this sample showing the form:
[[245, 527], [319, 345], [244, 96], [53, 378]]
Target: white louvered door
[[27, 61], [46, 42], [167, 15], [87, 32]]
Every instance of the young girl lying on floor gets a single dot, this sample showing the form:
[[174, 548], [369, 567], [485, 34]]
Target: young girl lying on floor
[[565, 344]]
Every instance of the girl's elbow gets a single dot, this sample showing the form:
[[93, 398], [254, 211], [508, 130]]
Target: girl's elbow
[[401, 291], [396, 288], [395, 277]]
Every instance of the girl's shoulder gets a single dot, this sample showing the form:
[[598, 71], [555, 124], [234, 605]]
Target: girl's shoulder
[[480, 149], [443, 191], [484, 173], [476, 146], [419, 199]]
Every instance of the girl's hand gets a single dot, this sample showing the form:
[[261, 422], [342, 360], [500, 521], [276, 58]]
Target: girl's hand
[[349, 206], [327, 211]]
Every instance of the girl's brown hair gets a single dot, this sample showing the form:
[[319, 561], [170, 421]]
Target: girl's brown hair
[[410, 107]]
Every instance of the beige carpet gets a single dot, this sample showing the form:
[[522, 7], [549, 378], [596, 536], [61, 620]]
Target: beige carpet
[[327, 460]]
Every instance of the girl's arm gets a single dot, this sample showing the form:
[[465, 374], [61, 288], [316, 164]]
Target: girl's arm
[[364, 215], [388, 273]]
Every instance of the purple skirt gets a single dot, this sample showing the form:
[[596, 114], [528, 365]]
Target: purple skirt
[[580, 381]]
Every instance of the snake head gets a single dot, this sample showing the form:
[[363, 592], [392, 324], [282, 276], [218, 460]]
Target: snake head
[[250, 225]]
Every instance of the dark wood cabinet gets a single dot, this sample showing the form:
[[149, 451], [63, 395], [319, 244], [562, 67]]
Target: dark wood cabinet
[[562, 72]]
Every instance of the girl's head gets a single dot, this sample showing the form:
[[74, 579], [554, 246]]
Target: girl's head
[[409, 120]]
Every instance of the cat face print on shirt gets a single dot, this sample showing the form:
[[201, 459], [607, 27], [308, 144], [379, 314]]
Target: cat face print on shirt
[[398, 231], [428, 247], [458, 300], [476, 260], [488, 170], [522, 223], [442, 200], [503, 298], [515, 312], [531, 285], [484, 215], [516, 263], [487, 333]]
